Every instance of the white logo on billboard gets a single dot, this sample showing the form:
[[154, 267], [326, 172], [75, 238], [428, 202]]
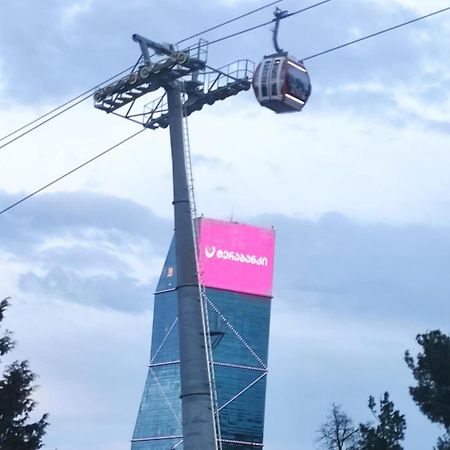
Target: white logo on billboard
[[227, 255]]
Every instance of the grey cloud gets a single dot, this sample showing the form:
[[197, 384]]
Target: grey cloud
[[362, 101], [394, 59], [82, 258], [50, 58], [75, 214], [63, 57], [431, 90], [363, 269], [98, 233], [438, 125], [120, 293], [333, 263], [434, 87]]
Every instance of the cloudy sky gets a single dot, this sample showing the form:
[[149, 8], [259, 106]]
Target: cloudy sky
[[357, 187]]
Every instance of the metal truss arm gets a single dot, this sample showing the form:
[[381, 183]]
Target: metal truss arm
[[145, 44]]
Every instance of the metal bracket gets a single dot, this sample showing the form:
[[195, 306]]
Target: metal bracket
[[145, 44], [168, 66]]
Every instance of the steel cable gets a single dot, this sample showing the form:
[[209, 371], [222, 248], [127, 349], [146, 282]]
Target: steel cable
[[86, 94], [51, 183], [377, 33], [83, 96], [309, 57]]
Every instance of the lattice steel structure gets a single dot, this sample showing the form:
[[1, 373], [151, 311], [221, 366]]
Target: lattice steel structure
[[239, 336], [199, 84]]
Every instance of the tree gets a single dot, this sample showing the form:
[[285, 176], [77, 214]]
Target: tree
[[443, 443], [6, 342], [388, 432], [431, 370], [16, 404], [338, 432]]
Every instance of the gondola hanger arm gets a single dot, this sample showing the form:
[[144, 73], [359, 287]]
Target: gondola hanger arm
[[279, 15]]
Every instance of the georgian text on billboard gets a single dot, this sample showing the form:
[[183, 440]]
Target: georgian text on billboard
[[236, 257]]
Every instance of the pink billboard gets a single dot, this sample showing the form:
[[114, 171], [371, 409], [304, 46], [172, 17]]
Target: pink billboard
[[236, 257]]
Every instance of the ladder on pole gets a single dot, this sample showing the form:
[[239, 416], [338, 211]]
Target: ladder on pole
[[205, 318]]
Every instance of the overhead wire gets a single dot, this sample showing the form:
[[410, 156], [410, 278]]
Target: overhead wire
[[229, 21], [215, 27], [75, 169], [378, 33], [83, 96], [86, 94], [135, 134], [238, 33], [29, 130]]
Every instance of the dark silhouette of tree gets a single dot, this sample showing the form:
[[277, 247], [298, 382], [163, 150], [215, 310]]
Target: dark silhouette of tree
[[16, 404], [443, 443], [338, 432], [6, 342], [389, 430], [431, 370]]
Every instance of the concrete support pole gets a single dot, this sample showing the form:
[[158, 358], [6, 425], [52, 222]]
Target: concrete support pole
[[197, 415]]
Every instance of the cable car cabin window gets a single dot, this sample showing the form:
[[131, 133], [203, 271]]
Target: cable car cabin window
[[264, 78], [274, 77], [298, 83], [265, 72], [275, 67]]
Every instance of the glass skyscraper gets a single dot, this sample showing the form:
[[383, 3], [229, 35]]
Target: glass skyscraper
[[239, 318]]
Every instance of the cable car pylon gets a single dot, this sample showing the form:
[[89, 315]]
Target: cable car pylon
[[189, 84]]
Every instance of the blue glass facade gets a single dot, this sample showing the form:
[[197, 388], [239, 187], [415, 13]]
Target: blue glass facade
[[239, 328]]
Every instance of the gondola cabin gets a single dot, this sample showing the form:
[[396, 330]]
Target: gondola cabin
[[281, 83]]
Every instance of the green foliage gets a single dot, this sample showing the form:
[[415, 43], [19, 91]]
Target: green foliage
[[443, 442], [389, 430], [431, 370], [16, 404], [338, 432], [6, 342]]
